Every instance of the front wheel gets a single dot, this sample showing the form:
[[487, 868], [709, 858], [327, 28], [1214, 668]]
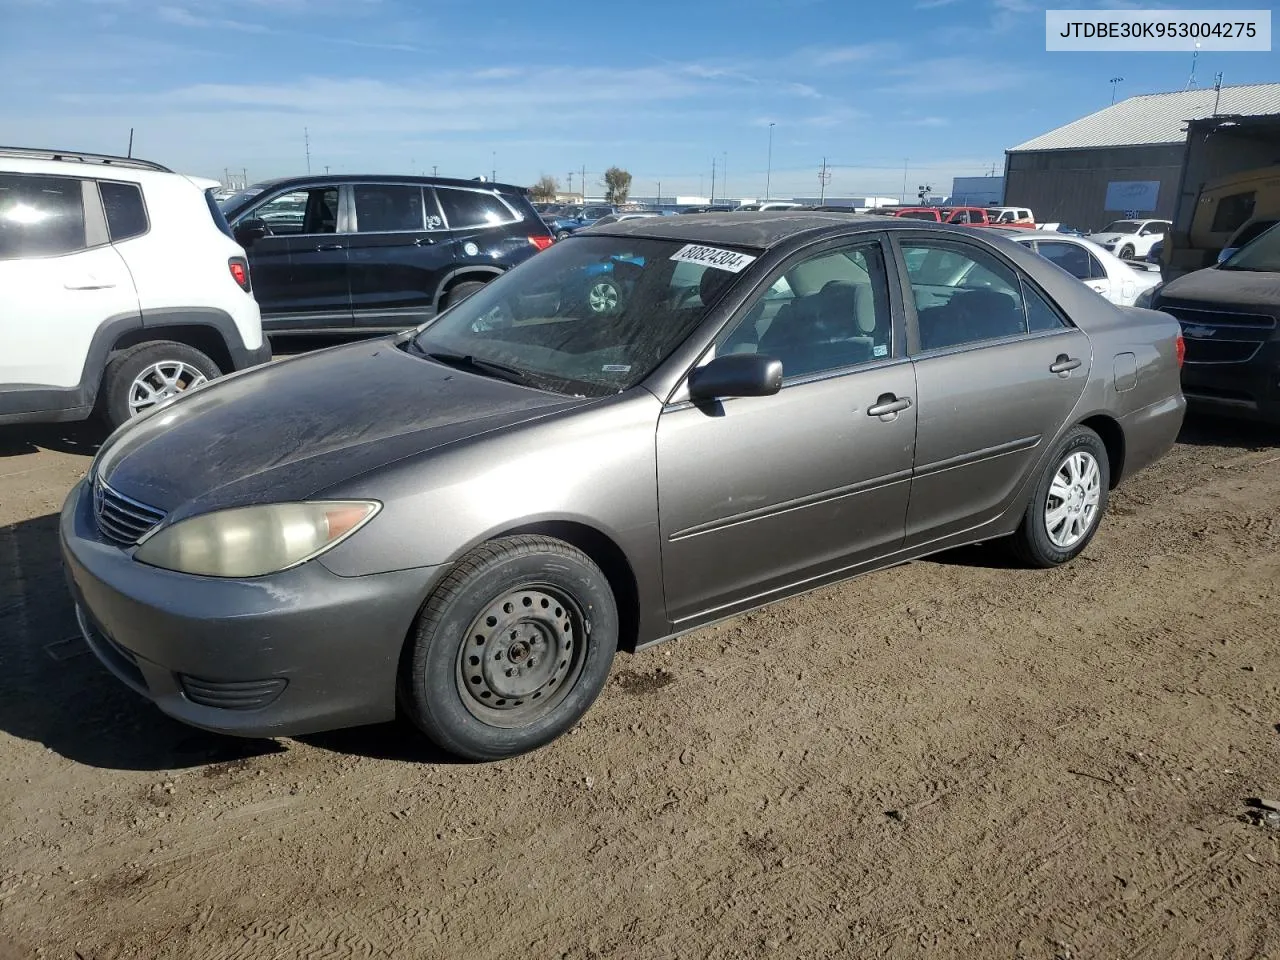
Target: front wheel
[[511, 649], [1125, 252], [1068, 502], [604, 297]]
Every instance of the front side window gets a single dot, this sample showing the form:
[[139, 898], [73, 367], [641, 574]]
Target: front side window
[[126, 214], [300, 212], [388, 208], [470, 208], [1073, 258], [825, 313], [40, 216], [963, 295], [590, 316], [1232, 212]]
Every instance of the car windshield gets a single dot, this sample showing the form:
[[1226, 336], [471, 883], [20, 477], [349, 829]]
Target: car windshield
[[590, 316], [1262, 255], [1121, 226]]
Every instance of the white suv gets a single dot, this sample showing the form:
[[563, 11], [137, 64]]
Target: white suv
[[120, 286], [1131, 239]]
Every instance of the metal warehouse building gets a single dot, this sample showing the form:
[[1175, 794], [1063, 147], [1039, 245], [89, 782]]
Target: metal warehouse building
[[1124, 161]]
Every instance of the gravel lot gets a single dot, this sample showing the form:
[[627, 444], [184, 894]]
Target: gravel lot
[[951, 758]]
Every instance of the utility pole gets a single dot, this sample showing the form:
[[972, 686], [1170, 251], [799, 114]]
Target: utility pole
[[493, 168], [659, 193], [768, 177], [130, 153], [713, 179], [902, 197], [434, 167], [1114, 81], [306, 139], [823, 179], [724, 175], [584, 183], [326, 169]]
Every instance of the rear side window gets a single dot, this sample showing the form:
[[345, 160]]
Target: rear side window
[[1040, 316], [388, 208], [468, 208], [1074, 259], [40, 216], [126, 214]]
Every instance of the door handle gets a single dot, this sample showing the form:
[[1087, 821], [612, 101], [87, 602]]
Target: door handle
[[888, 404], [1064, 364], [331, 246]]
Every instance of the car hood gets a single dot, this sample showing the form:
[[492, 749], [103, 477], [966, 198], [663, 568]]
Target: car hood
[[287, 430], [1105, 237], [1225, 289]]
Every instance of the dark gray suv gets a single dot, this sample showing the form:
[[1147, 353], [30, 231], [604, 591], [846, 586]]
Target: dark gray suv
[[351, 254]]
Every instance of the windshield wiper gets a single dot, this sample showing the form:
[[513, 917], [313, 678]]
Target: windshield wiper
[[488, 368]]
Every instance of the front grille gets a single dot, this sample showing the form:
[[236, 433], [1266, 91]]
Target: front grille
[[1222, 336], [121, 519], [232, 694]]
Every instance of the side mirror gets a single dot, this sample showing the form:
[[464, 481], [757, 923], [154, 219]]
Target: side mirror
[[249, 231], [1226, 254], [736, 375]]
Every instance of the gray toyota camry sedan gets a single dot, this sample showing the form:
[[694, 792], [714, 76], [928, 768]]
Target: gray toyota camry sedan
[[462, 523]]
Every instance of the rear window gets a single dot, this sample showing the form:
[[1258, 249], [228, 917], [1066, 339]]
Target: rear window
[[215, 211], [40, 216], [126, 213]]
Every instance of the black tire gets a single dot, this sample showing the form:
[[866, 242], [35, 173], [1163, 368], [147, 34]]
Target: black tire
[[1032, 544], [459, 292], [128, 365], [500, 608], [563, 234], [1126, 252]]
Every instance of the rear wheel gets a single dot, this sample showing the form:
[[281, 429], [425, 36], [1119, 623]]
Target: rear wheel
[[604, 296], [144, 376], [459, 292], [511, 649], [1068, 502]]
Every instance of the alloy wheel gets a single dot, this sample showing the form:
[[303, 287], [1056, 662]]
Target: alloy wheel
[[160, 382]]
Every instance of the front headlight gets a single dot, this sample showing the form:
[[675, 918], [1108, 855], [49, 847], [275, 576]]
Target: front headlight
[[252, 541], [1147, 296]]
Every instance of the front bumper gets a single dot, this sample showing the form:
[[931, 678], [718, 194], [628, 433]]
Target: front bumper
[[296, 652], [1248, 390]]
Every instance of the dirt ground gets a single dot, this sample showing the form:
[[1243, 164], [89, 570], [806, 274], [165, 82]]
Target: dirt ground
[[951, 758]]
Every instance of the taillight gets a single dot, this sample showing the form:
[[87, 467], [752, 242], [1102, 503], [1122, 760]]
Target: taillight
[[239, 268], [240, 273], [542, 242], [1181, 349]]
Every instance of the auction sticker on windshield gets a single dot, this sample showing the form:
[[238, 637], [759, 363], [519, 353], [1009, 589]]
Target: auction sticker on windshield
[[729, 260]]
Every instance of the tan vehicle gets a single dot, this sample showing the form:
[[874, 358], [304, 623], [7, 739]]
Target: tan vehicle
[[1229, 212]]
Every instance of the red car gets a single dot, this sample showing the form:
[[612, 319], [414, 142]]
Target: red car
[[921, 213]]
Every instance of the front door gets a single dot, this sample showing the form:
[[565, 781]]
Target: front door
[[998, 371], [758, 494], [399, 253], [300, 273]]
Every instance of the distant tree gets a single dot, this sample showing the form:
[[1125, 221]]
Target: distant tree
[[546, 188], [617, 184]]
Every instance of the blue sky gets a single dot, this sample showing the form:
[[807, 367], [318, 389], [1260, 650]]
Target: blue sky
[[660, 88]]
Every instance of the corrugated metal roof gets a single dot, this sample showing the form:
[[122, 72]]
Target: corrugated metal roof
[[1156, 117]]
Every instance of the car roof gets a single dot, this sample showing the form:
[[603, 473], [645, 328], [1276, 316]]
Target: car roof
[[340, 178], [761, 229]]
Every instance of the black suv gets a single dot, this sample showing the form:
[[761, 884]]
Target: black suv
[[354, 254]]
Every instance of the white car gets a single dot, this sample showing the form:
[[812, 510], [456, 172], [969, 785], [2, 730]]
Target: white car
[[1131, 239], [120, 287], [1119, 282]]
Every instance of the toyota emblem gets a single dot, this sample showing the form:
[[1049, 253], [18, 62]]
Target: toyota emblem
[[99, 496]]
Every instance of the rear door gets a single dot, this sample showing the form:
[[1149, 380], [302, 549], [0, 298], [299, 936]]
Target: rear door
[[60, 279], [998, 370], [484, 231], [399, 253]]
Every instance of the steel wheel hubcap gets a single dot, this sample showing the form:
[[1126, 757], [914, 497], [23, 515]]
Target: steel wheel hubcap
[[520, 657], [602, 297], [1071, 509], [160, 382]]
